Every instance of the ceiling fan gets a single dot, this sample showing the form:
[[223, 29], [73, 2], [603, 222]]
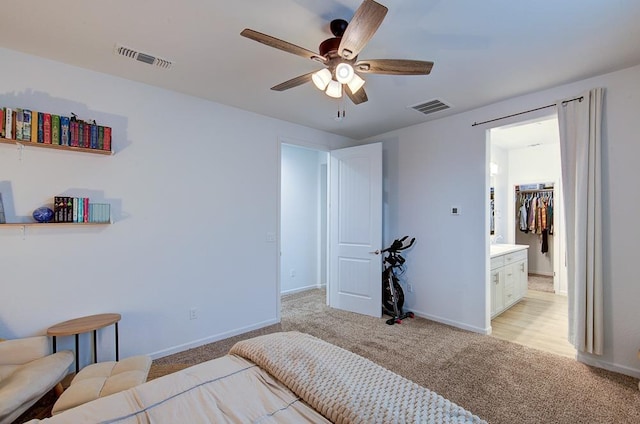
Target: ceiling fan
[[340, 55]]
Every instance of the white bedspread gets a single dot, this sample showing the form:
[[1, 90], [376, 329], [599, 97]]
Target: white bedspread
[[345, 387], [287, 378]]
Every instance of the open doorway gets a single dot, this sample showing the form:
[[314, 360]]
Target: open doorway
[[525, 178], [303, 219]]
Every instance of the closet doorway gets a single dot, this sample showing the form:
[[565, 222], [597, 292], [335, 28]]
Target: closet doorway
[[303, 218], [526, 171]]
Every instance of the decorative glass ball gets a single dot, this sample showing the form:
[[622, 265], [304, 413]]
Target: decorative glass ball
[[43, 214]]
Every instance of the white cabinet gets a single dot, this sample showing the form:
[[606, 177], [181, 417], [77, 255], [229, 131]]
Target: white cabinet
[[509, 272]]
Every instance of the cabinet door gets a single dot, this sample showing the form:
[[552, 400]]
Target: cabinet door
[[523, 278], [497, 291], [511, 284]]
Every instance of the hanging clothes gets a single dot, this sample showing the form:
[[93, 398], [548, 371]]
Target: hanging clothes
[[535, 214]]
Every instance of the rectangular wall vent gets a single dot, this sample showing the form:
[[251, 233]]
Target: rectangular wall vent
[[142, 57], [431, 106]]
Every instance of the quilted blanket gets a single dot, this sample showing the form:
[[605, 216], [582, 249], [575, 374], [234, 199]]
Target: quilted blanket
[[346, 387]]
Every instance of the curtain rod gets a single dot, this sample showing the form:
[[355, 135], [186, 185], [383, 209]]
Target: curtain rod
[[564, 102]]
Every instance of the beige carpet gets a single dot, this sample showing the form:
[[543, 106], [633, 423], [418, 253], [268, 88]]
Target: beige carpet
[[540, 283], [499, 381]]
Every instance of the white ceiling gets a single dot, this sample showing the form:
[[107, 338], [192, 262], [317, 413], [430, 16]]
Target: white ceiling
[[484, 51], [528, 134]]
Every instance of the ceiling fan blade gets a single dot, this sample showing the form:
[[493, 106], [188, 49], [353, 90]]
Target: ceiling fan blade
[[281, 45], [359, 97], [394, 67], [294, 82], [363, 25]]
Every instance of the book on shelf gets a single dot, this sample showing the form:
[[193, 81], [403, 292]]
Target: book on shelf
[[93, 129], [18, 122], [41, 128], [55, 129], [64, 130], [46, 129], [26, 125], [34, 126], [107, 139], [99, 213]]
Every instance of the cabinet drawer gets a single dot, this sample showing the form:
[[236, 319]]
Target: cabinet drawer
[[497, 262], [515, 256]]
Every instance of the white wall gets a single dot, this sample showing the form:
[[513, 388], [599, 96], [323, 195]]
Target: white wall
[[301, 215], [431, 166], [194, 189]]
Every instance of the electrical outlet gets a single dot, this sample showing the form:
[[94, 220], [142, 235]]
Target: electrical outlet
[[410, 287], [292, 273], [193, 313]]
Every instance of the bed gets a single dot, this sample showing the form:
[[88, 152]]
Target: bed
[[286, 377]]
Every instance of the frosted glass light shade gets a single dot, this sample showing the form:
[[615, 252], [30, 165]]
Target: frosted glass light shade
[[334, 89], [355, 84], [344, 73], [321, 78]]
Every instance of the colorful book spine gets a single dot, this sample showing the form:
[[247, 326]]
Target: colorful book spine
[[34, 126], [1, 122], [58, 207], [86, 138], [73, 130], [75, 209], [100, 137], [47, 129], [8, 123], [26, 125], [64, 131], [107, 138], [93, 136], [69, 201], [41, 128], [85, 209], [19, 123], [80, 134], [55, 129]]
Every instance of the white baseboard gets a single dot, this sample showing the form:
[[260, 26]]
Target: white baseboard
[[452, 323], [590, 360], [210, 339], [301, 289]]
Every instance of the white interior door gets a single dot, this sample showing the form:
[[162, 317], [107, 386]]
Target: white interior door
[[355, 229]]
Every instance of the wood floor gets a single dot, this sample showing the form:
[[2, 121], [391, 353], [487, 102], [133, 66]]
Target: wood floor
[[539, 320]]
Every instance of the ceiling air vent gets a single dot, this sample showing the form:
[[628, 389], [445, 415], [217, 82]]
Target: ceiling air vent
[[431, 106], [142, 57]]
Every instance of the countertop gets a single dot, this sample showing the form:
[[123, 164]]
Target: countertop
[[502, 249]]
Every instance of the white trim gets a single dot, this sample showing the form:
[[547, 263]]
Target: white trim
[[211, 339], [301, 289], [589, 360], [456, 324]]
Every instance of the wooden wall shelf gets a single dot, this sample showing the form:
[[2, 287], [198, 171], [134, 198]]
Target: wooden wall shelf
[[51, 224], [56, 147]]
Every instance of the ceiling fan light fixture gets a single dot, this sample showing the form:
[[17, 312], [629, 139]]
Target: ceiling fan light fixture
[[344, 73], [321, 78], [334, 89], [355, 84]]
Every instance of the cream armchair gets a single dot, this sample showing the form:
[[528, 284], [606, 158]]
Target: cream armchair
[[28, 371]]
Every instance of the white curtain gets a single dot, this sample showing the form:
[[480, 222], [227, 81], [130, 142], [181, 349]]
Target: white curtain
[[580, 124]]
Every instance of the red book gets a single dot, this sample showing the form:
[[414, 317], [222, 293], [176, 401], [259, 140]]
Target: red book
[[47, 128], [73, 131], [106, 143], [86, 136], [85, 209]]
